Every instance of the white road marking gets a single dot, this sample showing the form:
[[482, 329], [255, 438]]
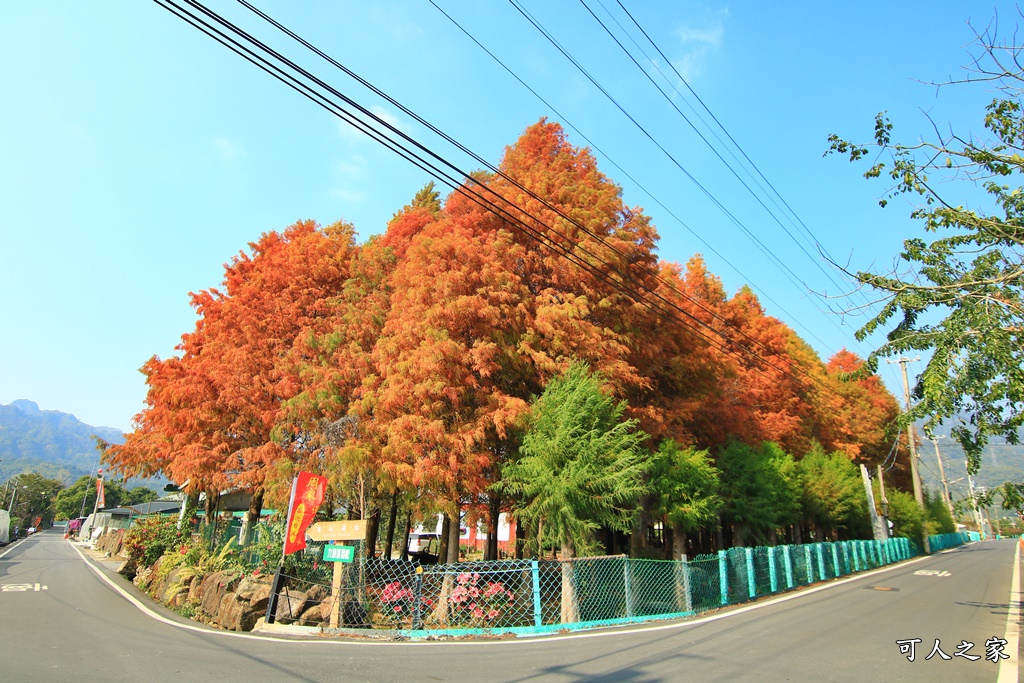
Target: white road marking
[[519, 641], [1008, 670]]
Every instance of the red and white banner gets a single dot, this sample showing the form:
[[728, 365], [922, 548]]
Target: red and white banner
[[307, 494], [101, 499]]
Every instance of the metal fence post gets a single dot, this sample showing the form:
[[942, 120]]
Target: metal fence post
[[751, 586], [417, 605], [723, 577], [627, 580], [787, 561], [275, 587], [538, 614], [773, 579]]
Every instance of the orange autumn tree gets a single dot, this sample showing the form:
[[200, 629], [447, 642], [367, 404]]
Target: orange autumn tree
[[866, 417], [211, 411]]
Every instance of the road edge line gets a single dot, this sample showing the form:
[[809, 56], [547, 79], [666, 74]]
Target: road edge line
[[1008, 669], [519, 641]]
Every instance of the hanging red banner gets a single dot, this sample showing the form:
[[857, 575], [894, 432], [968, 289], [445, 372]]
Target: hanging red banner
[[307, 494], [101, 499]]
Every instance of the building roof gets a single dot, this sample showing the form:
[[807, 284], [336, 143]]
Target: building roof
[[156, 507]]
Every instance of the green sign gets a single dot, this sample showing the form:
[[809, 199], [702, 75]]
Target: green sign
[[339, 553]]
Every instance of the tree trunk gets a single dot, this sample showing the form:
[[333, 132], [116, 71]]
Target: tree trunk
[[405, 537], [252, 517], [442, 552], [491, 548], [372, 532], [454, 531], [684, 601], [520, 540], [389, 538]]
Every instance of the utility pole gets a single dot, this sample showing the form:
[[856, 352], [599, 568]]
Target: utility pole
[[918, 491], [942, 473]]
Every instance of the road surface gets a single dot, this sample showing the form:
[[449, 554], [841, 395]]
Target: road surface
[[66, 617]]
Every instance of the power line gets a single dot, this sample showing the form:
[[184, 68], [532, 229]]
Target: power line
[[515, 222], [639, 185], [488, 165]]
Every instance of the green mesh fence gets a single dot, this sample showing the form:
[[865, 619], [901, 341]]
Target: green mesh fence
[[534, 596]]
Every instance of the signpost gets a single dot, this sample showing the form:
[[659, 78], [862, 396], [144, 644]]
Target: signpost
[[344, 530]]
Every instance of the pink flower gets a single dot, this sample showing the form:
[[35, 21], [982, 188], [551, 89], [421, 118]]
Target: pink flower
[[492, 614], [478, 613], [397, 608]]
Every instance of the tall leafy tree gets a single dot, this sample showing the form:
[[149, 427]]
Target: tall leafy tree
[[211, 412], [760, 491], [833, 495], [959, 295], [687, 484], [581, 467]]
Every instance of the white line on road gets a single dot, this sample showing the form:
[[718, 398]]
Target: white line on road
[[1008, 669], [520, 641]]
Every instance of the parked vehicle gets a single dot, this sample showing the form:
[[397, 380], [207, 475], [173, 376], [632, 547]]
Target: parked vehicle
[[423, 548]]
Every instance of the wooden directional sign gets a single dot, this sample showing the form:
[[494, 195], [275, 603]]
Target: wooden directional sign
[[347, 530], [339, 553]]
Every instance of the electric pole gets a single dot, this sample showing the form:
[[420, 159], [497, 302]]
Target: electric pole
[[918, 491], [942, 473]]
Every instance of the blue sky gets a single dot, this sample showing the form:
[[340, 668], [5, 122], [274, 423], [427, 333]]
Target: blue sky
[[137, 155]]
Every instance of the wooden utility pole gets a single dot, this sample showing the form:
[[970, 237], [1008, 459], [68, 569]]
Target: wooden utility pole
[[911, 439]]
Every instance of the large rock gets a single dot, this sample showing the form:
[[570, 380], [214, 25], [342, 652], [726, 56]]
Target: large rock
[[251, 586], [169, 587], [311, 617], [213, 589], [290, 604], [194, 587], [235, 614]]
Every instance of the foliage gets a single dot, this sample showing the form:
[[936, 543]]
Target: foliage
[[687, 485], [760, 491], [81, 496], [833, 492], [581, 464], [34, 498], [906, 515], [150, 538], [939, 519], [960, 295]]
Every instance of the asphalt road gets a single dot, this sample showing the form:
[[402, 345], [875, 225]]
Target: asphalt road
[[66, 618]]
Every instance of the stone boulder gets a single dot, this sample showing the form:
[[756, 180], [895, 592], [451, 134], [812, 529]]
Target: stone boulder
[[290, 605], [213, 589]]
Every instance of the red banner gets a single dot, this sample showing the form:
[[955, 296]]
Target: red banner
[[101, 499], [307, 494]]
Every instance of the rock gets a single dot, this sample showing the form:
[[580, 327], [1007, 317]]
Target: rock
[[251, 586], [213, 589], [235, 613], [317, 593], [311, 617], [259, 624], [290, 604], [193, 589]]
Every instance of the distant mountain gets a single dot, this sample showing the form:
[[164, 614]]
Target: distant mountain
[[52, 443]]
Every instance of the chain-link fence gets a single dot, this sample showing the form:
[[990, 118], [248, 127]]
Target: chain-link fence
[[533, 596]]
